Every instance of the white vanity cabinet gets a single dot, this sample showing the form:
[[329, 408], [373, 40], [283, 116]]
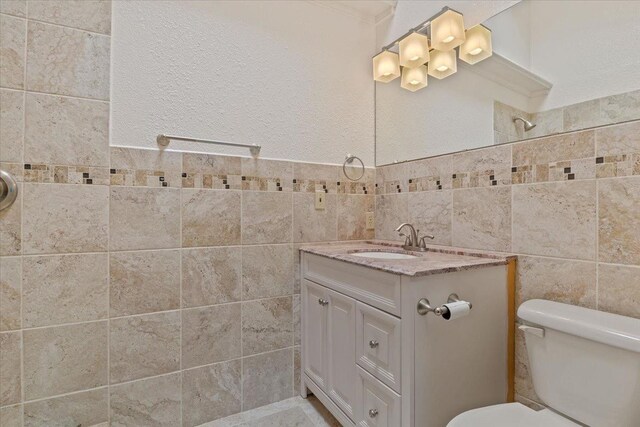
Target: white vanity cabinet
[[373, 361]]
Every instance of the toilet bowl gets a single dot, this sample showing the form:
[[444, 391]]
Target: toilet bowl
[[584, 364]]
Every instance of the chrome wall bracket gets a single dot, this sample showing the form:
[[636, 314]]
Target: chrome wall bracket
[[8, 189]]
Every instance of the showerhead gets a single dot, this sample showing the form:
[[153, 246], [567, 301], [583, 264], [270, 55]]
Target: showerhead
[[527, 124]]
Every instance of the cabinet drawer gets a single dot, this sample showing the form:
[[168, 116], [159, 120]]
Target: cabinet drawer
[[377, 404], [374, 287], [378, 344]]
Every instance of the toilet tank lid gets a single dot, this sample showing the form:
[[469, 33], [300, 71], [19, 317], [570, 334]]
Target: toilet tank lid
[[610, 329]]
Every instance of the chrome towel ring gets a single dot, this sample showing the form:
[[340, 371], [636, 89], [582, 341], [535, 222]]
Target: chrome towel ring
[[349, 160], [8, 189]]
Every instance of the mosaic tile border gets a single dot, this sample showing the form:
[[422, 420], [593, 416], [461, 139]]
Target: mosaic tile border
[[588, 168], [62, 174]]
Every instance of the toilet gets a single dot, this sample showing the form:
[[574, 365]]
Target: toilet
[[585, 367]]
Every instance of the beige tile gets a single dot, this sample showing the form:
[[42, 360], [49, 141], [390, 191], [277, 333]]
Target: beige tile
[[211, 392], [87, 408], [547, 123], [618, 140], [63, 359], [144, 218], [194, 163], [11, 226], [567, 281], [12, 60], [150, 402], [474, 168], [267, 271], [66, 131], [296, 319], [619, 289], [482, 218], [577, 145], [143, 346], [144, 282], [66, 61], [311, 224], [210, 334], [83, 14], [11, 131], [436, 169], [621, 107], [296, 268], [391, 211], [266, 217], [267, 325], [430, 212], [583, 115], [619, 220], [267, 378], [523, 382], [10, 379], [10, 291], [65, 218], [297, 370], [14, 7], [64, 289], [211, 276], [280, 171], [210, 217], [11, 416], [315, 171], [145, 167], [392, 177], [555, 219], [352, 216]]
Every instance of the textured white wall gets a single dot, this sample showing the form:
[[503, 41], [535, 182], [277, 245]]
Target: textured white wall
[[588, 49], [294, 77]]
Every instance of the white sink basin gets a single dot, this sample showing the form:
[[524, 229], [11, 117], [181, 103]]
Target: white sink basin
[[383, 255]]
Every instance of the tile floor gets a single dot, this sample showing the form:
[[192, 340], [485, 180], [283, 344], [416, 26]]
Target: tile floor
[[294, 412]]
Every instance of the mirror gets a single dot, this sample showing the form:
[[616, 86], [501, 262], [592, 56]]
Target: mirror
[[560, 66]]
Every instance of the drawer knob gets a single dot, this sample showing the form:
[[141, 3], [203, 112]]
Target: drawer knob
[[373, 343], [322, 301], [373, 413]]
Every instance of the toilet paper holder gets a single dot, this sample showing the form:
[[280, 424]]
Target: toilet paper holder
[[424, 306]]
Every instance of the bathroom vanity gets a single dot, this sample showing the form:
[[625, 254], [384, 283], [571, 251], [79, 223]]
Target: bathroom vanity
[[377, 349]]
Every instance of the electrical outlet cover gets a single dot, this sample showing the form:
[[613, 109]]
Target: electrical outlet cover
[[371, 221], [321, 204]]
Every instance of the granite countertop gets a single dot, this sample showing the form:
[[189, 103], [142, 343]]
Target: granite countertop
[[437, 259]]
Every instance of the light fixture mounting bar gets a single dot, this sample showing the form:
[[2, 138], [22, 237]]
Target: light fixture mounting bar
[[418, 29]]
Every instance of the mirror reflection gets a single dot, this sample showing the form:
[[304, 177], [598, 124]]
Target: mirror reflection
[[556, 67]]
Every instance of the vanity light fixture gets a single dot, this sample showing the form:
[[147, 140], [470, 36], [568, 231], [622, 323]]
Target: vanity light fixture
[[447, 30], [442, 64], [444, 32], [414, 50], [386, 66], [477, 46], [414, 79]]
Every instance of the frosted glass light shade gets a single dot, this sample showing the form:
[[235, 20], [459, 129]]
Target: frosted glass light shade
[[442, 64], [447, 31], [386, 67], [414, 50], [477, 45], [414, 79]]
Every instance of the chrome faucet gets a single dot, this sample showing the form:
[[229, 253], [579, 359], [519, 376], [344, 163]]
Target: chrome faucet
[[413, 242]]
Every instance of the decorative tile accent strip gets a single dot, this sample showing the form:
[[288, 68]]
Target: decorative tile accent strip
[[425, 183], [143, 178], [59, 174], [255, 183], [211, 181], [620, 165], [313, 185]]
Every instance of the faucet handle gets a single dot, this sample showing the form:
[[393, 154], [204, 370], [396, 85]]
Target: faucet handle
[[423, 244], [407, 239]]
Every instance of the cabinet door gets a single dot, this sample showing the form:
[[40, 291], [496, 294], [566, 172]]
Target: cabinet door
[[377, 404], [341, 351], [315, 312]]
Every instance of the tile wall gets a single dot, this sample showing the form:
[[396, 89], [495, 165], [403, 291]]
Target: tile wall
[[583, 115], [568, 205], [140, 287]]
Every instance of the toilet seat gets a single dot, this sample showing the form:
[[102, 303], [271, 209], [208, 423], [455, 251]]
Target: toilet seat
[[510, 415]]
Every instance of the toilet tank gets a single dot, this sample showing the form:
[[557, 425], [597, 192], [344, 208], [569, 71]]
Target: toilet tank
[[584, 363]]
